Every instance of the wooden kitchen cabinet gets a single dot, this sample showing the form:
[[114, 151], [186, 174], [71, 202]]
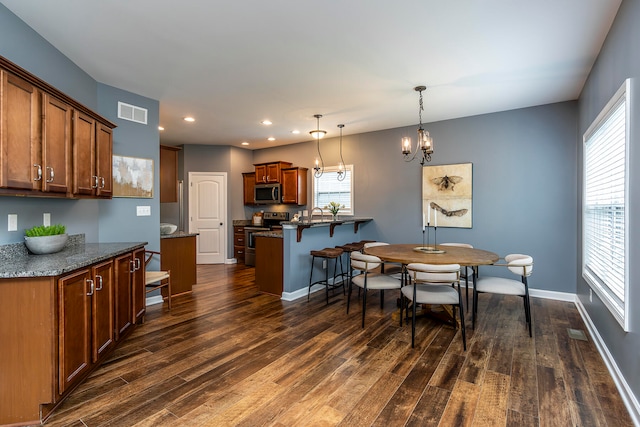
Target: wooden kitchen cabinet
[[50, 145], [269, 264], [269, 173], [138, 286], [178, 254], [294, 186], [238, 243], [248, 184], [124, 267], [168, 174], [102, 320]]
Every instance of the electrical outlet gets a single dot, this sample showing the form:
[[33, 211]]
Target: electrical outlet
[[324, 264], [590, 295], [143, 210], [46, 219], [13, 222]]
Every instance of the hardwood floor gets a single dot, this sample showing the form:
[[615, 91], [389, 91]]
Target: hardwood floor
[[229, 355]]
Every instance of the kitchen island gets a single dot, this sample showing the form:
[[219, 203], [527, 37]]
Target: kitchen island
[[296, 245], [178, 254]]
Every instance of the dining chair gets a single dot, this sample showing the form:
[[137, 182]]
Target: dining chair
[[369, 280], [466, 272], [436, 285], [157, 279], [385, 267], [518, 264]]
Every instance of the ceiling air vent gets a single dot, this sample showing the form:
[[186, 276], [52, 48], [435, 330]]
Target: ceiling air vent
[[132, 113]]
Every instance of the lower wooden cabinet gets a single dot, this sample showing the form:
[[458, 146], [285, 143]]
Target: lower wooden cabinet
[[238, 243], [61, 328], [269, 261], [178, 254]]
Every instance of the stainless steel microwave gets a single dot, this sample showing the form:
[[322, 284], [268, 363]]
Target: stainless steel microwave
[[266, 194]]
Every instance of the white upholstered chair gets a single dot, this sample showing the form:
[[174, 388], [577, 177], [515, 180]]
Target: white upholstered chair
[[436, 285], [386, 267], [466, 272], [368, 279], [518, 264]]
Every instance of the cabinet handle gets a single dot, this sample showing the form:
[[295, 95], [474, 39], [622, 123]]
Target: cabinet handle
[[91, 284], [132, 267], [50, 169], [264, 178], [102, 182], [99, 288], [240, 252], [95, 181], [240, 240], [39, 178], [268, 178], [137, 264]]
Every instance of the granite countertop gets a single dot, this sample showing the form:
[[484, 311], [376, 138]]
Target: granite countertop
[[17, 262], [241, 222], [178, 234], [273, 233]]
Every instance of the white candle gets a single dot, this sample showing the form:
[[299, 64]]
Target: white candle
[[423, 221], [435, 218], [428, 214]]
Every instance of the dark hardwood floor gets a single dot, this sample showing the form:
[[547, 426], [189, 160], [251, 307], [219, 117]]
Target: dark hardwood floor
[[229, 355]]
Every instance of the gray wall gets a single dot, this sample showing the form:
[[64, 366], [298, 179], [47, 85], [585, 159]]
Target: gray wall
[[111, 220], [524, 184], [619, 59]]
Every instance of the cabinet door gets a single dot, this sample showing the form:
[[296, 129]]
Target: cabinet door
[[74, 293], [124, 266], [139, 303], [56, 145], [104, 161], [20, 126], [294, 186], [261, 174], [273, 173], [248, 184], [168, 174], [85, 180], [179, 256], [102, 316]]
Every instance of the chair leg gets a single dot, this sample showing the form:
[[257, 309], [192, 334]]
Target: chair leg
[[401, 306], [413, 318], [326, 279], [169, 292], [349, 291], [364, 301], [381, 299], [475, 307], [313, 258]]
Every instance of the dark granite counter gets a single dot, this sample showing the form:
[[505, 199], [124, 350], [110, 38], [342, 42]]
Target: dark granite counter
[[15, 261], [178, 234]]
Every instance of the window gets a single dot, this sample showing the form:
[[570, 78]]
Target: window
[[605, 198], [327, 189]]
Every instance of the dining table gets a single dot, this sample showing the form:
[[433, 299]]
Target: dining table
[[407, 253]]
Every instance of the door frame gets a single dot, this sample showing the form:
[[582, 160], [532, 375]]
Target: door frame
[[223, 208]]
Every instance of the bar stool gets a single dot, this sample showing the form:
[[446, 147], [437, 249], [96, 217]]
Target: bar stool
[[347, 248], [327, 254]]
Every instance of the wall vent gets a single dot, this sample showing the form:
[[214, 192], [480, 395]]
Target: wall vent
[[132, 113]]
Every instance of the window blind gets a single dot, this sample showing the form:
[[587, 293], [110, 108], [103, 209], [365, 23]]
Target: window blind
[[327, 189]]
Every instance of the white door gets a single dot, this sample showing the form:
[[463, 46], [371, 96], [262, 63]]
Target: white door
[[207, 215]]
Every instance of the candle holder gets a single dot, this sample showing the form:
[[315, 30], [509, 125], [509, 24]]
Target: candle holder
[[427, 248]]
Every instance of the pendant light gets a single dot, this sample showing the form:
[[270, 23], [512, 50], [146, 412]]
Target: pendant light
[[425, 141], [317, 134], [342, 171]]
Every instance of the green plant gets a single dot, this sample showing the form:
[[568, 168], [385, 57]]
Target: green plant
[[45, 230], [334, 207]]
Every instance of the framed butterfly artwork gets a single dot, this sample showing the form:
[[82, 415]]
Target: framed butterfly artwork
[[447, 195]]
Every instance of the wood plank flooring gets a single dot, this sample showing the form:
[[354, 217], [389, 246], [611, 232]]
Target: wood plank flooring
[[228, 355]]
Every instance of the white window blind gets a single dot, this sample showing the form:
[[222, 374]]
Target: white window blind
[[604, 202], [327, 189]]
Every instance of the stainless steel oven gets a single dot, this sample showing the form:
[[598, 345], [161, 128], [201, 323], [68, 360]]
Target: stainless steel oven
[[250, 244]]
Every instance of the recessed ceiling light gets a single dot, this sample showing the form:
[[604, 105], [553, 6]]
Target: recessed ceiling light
[[266, 122], [271, 138], [189, 119], [295, 131], [245, 143], [160, 128]]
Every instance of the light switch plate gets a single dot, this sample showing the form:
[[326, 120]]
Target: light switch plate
[[46, 219], [143, 210], [13, 222]]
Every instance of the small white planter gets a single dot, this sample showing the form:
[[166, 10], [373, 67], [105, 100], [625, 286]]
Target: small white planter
[[46, 244]]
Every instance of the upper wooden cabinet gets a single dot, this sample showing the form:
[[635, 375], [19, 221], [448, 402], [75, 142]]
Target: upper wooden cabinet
[[269, 173], [50, 145], [168, 174], [248, 184], [294, 186]]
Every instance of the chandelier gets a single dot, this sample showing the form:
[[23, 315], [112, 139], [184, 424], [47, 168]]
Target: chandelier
[[425, 142], [317, 134]]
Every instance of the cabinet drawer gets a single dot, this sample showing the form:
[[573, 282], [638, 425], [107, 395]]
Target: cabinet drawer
[[238, 240]]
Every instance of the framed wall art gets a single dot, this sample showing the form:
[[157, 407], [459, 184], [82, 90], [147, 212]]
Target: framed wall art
[[132, 177], [447, 195]]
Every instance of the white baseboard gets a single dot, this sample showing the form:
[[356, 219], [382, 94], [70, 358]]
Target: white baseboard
[[560, 296], [231, 261], [156, 299], [300, 293], [625, 391]]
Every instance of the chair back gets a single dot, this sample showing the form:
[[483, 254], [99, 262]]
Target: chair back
[[434, 274], [372, 244], [360, 261], [520, 264]]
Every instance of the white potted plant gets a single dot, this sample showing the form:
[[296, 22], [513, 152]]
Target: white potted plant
[[45, 239]]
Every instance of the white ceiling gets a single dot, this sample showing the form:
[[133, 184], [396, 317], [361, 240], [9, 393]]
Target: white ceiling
[[231, 64]]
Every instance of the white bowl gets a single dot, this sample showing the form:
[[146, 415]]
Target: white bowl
[[46, 244], [166, 228]]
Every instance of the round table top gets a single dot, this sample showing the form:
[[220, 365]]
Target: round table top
[[405, 254]]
